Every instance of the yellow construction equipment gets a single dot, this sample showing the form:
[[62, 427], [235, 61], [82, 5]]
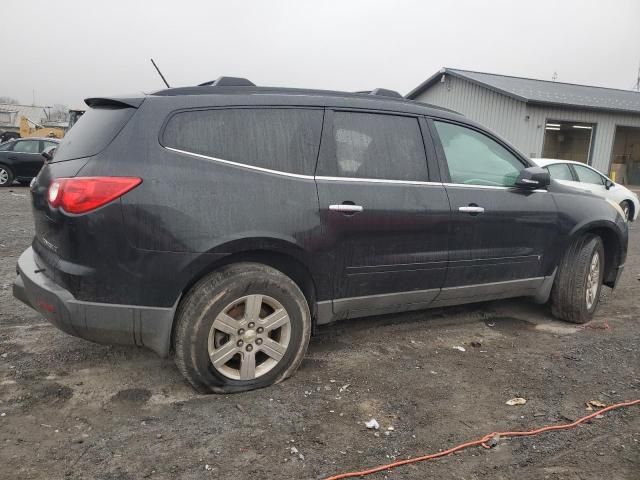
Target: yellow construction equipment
[[29, 128]]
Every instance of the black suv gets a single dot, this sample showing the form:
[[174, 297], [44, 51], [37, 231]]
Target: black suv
[[223, 222]]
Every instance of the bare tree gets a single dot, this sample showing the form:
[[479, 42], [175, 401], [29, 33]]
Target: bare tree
[[9, 101]]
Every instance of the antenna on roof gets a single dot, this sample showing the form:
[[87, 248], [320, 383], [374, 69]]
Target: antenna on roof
[[160, 73]]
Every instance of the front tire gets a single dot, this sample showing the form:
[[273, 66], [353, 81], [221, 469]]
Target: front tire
[[576, 290], [6, 176], [243, 327]]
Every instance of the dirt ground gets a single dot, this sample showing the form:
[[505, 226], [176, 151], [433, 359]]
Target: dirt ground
[[71, 409]]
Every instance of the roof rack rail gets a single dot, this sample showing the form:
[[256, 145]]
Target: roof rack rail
[[228, 82], [384, 92]]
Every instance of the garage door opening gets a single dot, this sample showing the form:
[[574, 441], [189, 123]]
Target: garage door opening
[[625, 164], [568, 140]]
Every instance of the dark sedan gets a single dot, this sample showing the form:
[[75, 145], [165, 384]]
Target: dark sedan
[[22, 159]]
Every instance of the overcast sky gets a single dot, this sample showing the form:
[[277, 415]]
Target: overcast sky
[[68, 50]]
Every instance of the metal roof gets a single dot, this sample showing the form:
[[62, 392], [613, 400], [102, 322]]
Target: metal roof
[[543, 92], [16, 112]]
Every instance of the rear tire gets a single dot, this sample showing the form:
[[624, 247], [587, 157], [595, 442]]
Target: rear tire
[[576, 290], [242, 327], [6, 176], [626, 208]]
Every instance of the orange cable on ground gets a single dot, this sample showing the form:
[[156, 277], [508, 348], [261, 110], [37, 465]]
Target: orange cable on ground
[[483, 442]]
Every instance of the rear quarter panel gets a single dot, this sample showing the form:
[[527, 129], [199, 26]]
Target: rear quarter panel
[[198, 210]]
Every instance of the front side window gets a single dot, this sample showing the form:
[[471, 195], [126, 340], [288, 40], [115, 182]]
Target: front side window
[[27, 146], [560, 171], [475, 159], [6, 146], [376, 146], [282, 139], [586, 175]]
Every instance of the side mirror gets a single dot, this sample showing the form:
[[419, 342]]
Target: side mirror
[[533, 177], [49, 153], [608, 184]]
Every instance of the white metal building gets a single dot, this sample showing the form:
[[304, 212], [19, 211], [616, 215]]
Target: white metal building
[[599, 126], [11, 114]]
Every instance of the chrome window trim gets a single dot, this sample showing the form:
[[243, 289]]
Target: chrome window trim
[[491, 187], [375, 180], [464, 185], [242, 165], [299, 175], [331, 179]]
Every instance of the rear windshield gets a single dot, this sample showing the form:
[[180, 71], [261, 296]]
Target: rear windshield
[[92, 132]]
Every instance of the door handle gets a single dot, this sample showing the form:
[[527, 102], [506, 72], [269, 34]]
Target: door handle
[[471, 209], [346, 208]]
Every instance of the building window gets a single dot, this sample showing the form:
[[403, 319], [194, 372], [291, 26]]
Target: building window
[[568, 140], [5, 118]]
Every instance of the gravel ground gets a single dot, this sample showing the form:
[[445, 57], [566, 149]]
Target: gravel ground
[[76, 410]]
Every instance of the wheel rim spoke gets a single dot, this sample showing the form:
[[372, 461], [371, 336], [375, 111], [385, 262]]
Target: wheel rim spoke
[[273, 349], [226, 324], [223, 354], [248, 366], [252, 307], [275, 320]]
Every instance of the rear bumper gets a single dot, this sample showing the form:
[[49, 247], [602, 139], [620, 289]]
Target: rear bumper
[[99, 322]]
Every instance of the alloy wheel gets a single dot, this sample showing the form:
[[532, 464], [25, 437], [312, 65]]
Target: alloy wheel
[[593, 280], [249, 337], [4, 176]]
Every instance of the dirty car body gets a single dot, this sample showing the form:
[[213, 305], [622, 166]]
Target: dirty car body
[[356, 237]]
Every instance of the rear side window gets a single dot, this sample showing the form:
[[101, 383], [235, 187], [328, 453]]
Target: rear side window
[[475, 159], [46, 144], [369, 145], [93, 132], [27, 146], [282, 139], [560, 171], [586, 175]]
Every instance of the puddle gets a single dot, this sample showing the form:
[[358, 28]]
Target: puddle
[[508, 324], [557, 328], [512, 325]]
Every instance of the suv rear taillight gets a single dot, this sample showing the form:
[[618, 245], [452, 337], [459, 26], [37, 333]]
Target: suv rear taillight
[[82, 194]]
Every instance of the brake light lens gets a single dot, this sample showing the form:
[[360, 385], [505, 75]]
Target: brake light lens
[[83, 194]]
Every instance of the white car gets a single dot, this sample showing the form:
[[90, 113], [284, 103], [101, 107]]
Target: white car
[[579, 175]]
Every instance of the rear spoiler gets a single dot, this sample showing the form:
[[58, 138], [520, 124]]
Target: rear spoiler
[[114, 102]]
